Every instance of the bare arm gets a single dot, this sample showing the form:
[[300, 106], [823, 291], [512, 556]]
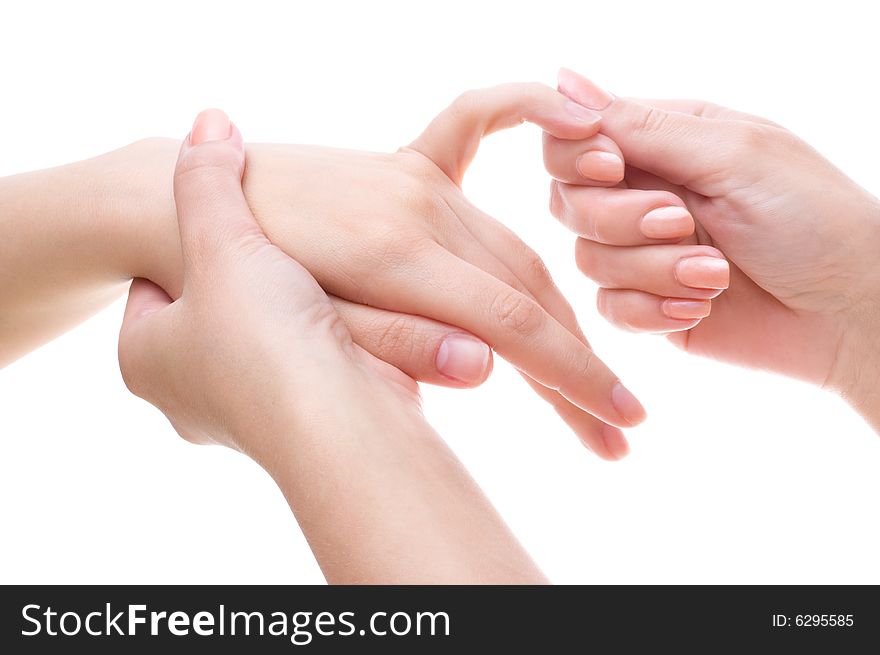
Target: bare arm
[[253, 356], [390, 236], [73, 237]]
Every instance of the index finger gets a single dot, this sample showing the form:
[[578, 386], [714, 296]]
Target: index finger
[[522, 332], [453, 137]]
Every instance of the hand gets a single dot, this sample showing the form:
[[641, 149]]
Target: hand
[[801, 236], [394, 231], [250, 329], [252, 355]]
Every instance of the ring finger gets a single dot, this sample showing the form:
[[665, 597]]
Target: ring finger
[[671, 271]]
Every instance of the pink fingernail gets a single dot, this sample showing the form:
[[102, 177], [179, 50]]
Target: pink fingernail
[[667, 223], [703, 272], [600, 166], [581, 113], [582, 90], [210, 125], [686, 309], [627, 405], [462, 358]]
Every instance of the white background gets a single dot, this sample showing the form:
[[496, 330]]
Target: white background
[[738, 476]]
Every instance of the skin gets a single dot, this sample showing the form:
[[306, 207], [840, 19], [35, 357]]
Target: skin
[[801, 238], [377, 493], [392, 239]]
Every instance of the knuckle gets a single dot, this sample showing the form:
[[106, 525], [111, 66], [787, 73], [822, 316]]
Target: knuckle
[[396, 250], [517, 313], [412, 169], [584, 259], [536, 271], [465, 102], [602, 302], [758, 138], [426, 204], [326, 319], [613, 312], [206, 163], [396, 336], [667, 198], [533, 92], [586, 364], [384, 258], [607, 308], [649, 121], [592, 227], [551, 151], [709, 109], [557, 203], [417, 192]]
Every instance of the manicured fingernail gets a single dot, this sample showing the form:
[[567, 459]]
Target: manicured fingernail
[[600, 166], [615, 442], [627, 405], [686, 309], [581, 113], [462, 358], [667, 223], [583, 91], [210, 125], [703, 272]]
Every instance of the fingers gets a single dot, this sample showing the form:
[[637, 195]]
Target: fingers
[[144, 298], [426, 350], [509, 259], [703, 109], [639, 311], [145, 302], [521, 331], [452, 138], [212, 213], [604, 440], [670, 270], [596, 160], [496, 249], [685, 149], [622, 217]]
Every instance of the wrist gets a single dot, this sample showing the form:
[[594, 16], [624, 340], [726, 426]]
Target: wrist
[[856, 375], [318, 413], [133, 190]]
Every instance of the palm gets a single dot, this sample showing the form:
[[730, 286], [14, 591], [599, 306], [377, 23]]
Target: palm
[[787, 277], [750, 327]]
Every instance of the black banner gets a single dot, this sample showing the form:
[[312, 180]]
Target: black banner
[[279, 619]]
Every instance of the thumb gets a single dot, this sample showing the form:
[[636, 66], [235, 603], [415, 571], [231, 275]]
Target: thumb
[[452, 139], [212, 213], [684, 149]]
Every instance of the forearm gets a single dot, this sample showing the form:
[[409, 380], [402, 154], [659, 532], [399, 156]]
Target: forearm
[[381, 498], [73, 236], [856, 374]]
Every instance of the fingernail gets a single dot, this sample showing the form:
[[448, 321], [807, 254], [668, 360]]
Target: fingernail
[[703, 272], [463, 358], [600, 166], [686, 309], [627, 405], [614, 441], [581, 113], [583, 91], [667, 223], [210, 125]]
